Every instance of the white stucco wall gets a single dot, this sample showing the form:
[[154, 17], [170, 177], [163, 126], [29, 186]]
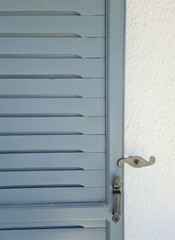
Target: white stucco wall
[[150, 119]]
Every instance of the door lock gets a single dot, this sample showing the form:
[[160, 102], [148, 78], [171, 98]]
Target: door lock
[[117, 199]]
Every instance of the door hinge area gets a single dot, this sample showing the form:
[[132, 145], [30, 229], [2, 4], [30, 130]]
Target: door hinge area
[[117, 199]]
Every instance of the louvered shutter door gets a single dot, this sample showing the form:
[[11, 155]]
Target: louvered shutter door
[[52, 115]]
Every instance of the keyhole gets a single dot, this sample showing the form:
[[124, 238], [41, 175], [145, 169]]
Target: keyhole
[[136, 161]]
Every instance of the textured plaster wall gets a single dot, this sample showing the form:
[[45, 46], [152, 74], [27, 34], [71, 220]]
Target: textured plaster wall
[[150, 119]]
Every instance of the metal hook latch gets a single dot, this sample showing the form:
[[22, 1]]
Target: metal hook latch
[[117, 196], [136, 161]]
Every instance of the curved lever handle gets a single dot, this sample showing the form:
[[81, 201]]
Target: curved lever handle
[[136, 161]]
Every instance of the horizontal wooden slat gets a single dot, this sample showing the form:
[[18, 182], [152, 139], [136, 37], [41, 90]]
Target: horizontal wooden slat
[[84, 26], [55, 234], [52, 178], [87, 7], [83, 47], [85, 143], [52, 125], [48, 215], [44, 106], [52, 161], [77, 67], [51, 195], [52, 88], [58, 224]]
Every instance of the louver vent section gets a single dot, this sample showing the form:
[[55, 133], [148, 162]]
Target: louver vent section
[[54, 234], [52, 107], [85, 230]]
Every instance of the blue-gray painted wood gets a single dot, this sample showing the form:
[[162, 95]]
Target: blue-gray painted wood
[[52, 125], [52, 87], [52, 161], [55, 143], [88, 178], [92, 68], [57, 224], [84, 26], [52, 47], [55, 234], [61, 127], [43, 215], [85, 7], [51, 195], [52, 107], [115, 108]]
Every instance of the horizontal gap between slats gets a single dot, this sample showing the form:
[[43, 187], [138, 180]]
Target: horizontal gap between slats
[[38, 169], [60, 115], [47, 134], [53, 56], [54, 204], [43, 133], [41, 35], [49, 77], [40, 13], [43, 151], [43, 228], [43, 186], [59, 76], [88, 224], [46, 56], [41, 96], [45, 13], [42, 115], [3, 96]]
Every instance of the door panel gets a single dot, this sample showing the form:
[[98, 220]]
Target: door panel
[[61, 118]]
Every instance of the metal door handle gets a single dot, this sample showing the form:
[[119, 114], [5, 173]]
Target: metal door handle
[[136, 161], [117, 210], [117, 201]]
